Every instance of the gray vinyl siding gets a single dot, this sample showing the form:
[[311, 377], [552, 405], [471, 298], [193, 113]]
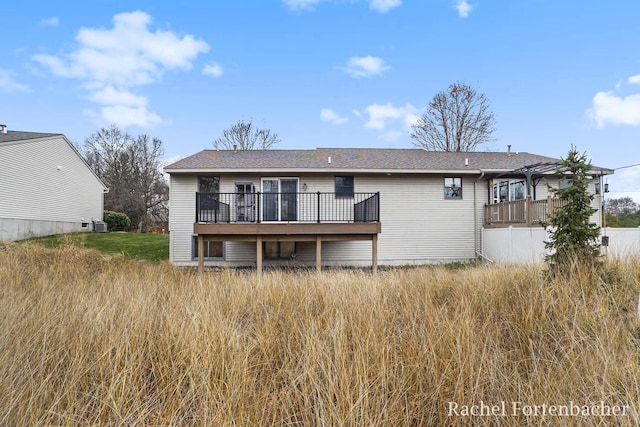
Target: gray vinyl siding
[[182, 201], [418, 224], [46, 180]]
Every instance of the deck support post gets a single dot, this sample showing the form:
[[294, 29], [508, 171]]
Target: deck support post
[[259, 254], [318, 252], [374, 253], [200, 253]]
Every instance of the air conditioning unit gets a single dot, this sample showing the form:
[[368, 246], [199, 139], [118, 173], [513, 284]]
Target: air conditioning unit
[[100, 227]]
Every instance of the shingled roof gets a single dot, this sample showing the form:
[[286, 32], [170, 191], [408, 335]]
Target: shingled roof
[[15, 136], [354, 159]]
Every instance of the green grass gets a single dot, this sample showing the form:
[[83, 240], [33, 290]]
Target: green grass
[[137, 246]]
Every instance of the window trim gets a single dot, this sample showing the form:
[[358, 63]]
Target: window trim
[[344, 191], [279, 198], [280, 257], [194, 249], [446, 187], [514, 185], [502, 189], [214, 178], [563, 183]]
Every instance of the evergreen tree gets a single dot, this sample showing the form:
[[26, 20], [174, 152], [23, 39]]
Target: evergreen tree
[[574, 239]]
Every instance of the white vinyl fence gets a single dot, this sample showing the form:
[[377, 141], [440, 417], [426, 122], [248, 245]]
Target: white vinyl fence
[[525, 245], [623, 242]]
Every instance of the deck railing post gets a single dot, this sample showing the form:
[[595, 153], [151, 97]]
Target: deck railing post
[[258, 214], [318, 208], [197, 206]]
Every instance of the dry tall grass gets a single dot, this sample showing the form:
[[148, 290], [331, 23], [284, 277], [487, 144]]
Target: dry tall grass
[[92, 340]]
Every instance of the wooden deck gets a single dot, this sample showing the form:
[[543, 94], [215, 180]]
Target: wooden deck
[[520, 213], [292, 231]]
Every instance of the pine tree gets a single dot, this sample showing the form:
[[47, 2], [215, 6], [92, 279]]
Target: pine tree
[[574, 238]]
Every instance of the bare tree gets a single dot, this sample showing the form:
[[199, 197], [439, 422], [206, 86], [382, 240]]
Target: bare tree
[[245, 136], [622, 206], [458, 119], [131, 168]]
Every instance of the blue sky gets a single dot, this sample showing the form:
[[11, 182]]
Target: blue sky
[[328, 73]]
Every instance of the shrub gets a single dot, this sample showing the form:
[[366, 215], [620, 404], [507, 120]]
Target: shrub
[[117, 221]]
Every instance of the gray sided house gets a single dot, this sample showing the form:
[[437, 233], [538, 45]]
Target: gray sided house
[[45, 186], [352, 207]]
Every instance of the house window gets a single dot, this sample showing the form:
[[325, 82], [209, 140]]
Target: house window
[[278, 250], [516, 190], [453, 188], [508, 190], [564, 183], [209, 206], [209, 184], [344, 186], [279, 199], [212, 250], [504, 191]]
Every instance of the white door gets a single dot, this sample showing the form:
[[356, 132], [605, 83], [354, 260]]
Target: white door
[[245, 202]]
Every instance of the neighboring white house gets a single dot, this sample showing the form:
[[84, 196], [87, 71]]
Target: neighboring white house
[[45, 186], [352, 207]]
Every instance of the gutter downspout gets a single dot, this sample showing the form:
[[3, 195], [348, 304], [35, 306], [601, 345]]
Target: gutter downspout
[[475, 218]]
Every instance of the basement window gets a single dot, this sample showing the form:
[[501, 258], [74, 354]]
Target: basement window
[[453, 188], [212, 250], [278, 250]]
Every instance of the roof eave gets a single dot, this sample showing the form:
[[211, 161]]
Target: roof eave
[[322, 171]]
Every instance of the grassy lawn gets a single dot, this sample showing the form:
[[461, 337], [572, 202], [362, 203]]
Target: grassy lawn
[[139, 246], [87, 339]]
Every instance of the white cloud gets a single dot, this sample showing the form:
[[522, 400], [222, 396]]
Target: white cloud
[[124, 108], [330, 116], [611, 109], [8, 83], [635, 79], [381, 6], [50, 22], [464, 8], [124, 57], [125, 115], [381, 116], [384, 6], [624, 183], [300, 4], [213, 70], [365, 66], [112, 96]]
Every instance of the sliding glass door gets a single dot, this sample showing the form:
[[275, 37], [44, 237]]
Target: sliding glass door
[[280, 199]]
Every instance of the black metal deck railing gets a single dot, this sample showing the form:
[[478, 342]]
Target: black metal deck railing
[[286, 207]]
